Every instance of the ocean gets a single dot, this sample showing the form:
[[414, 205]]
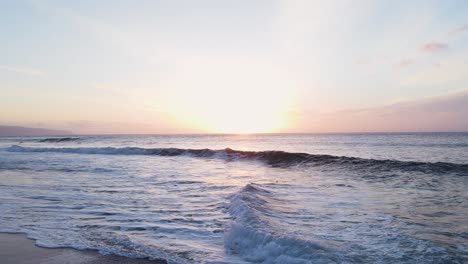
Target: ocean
[[266, 198]]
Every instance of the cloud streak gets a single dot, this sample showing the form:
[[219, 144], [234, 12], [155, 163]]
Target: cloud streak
[[23, 70], [459, 30], [463, 28], [433, 47], [405, 62], [442, 113]]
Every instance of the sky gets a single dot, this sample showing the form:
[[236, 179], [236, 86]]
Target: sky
[[244, 66]]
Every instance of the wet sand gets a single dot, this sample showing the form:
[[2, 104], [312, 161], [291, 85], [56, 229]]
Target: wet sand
[[18, 249]]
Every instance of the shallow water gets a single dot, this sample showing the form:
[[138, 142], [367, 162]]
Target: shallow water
[[380, 198]]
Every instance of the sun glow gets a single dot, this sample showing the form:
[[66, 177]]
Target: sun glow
[[236, 97], [244, 115], [240, 111]]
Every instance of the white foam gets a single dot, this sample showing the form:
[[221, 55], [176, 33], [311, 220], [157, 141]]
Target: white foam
[[255, 240]]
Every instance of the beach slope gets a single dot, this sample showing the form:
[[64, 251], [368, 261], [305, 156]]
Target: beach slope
[[17, 249]]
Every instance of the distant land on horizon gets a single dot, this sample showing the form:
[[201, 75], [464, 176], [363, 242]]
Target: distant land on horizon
[[12, 131], [6, 131]]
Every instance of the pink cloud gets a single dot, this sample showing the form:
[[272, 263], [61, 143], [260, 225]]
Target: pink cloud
[[443, 113], [434, 47]]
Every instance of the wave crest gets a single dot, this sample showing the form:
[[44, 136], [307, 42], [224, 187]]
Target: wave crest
[[273, 158], [59, 139], [253, 235]]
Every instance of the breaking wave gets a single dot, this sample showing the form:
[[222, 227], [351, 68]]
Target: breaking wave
[[273, 158], [253, 235], [59, 139]]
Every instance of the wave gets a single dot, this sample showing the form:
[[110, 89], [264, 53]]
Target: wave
[[59, 139], [273, 158], [253, 236]]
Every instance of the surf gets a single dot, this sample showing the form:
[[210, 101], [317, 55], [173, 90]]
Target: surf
[[273, 158]]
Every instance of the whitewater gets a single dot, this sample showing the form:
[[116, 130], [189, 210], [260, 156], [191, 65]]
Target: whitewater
[[273, 198]]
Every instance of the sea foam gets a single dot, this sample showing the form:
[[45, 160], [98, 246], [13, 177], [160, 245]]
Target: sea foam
[[252, 234]]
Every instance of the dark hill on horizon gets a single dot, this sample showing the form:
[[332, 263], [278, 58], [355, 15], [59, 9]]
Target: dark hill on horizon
[[6, 131]]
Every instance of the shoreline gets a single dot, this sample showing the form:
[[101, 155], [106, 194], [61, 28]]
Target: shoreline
[[16, 248]]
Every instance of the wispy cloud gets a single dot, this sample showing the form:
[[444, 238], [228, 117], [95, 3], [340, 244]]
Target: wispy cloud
[[459, 30], [405, 62], [23, 70], [105, 33], [463, 28], [440, 113], [433, 47]]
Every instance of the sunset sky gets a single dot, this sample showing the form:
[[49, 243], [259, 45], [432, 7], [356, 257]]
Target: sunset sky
[[234, 66]]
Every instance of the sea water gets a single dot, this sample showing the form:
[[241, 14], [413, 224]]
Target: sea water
[[331, 198]]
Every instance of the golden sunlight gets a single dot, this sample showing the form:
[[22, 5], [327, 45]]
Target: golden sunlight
[[244, 119], [239, 96], [242, 111]]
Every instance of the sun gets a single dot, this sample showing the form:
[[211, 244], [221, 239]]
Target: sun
[[245, 112], [240, 109], [237, 111], [245, 121], [236, 96]]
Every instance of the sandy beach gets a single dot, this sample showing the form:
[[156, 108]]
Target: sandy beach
[[18, 249]]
